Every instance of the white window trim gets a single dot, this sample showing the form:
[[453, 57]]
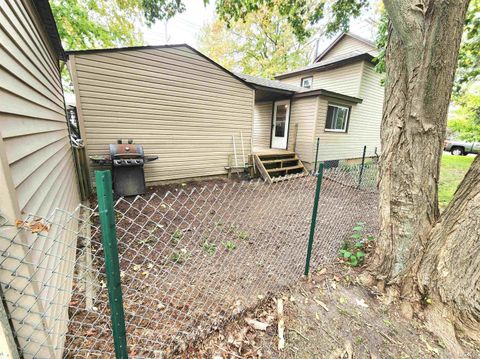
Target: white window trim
[[344, 130], [305, 78]]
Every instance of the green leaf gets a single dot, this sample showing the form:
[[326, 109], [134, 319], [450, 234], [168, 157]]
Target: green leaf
[[360, 255], [347, 254], [356, 236], [358, 228], [359, 245], [353, 261]]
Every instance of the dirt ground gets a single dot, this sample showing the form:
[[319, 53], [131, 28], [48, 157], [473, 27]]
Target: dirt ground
[[196, 255], [328, 316]]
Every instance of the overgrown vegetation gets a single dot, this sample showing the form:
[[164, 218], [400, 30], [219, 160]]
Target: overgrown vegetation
[[354, 248]]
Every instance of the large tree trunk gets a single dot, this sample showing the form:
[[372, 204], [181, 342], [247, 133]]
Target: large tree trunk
[[449, 272], [420, 256], [421, 58]]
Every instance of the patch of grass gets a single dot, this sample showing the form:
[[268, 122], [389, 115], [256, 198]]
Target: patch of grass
[[177, 236], [229, 245], [452, 171], [210, 248], [180, 256], [243, 235]]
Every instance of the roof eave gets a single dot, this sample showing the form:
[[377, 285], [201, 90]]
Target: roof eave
[[327, 93], [45, 12], [333, 65], [337, 40], [273, 89]]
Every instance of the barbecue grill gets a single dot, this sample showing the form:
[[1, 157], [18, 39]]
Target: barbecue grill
[[127, 161]]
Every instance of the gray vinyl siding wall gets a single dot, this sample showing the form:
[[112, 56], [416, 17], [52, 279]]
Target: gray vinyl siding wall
[[173, 101], [37, 176]]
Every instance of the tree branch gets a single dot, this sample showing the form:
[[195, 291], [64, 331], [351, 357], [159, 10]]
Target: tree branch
[[408, 20]]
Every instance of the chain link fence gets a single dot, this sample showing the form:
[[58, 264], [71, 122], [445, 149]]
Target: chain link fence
[[189, 260]]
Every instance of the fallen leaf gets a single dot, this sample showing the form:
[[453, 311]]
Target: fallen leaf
[[322, 304], [256, 324], [91, 332]]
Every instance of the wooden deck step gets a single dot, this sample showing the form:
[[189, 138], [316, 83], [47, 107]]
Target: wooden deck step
[[286, 169], [280, 160], [276, 166], [271, 156]]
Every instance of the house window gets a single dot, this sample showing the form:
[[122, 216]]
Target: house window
[[307, 82], [337, 118]]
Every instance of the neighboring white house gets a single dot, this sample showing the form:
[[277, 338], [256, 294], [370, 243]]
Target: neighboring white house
[[338, 99]]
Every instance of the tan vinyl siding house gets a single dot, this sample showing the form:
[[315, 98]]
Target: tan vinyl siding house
[[180, 105], [262, 124], [346, 43], [303, 118], [37, 173], [345, 80], [342, 76]]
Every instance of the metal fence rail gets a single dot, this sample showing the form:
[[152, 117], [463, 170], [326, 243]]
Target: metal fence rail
[[189, 260]]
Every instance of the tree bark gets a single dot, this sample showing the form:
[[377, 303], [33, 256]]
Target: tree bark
[[449, 272], [421, 58], [423, 257]]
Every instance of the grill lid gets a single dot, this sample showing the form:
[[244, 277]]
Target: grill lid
[[119, 150]]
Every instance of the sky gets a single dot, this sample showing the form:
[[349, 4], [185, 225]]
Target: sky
[[182, 28], [185, 27]]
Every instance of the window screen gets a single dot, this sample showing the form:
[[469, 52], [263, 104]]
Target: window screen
[[337, 118]]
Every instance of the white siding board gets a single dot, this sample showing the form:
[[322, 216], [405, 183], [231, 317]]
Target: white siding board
[[177, 104]]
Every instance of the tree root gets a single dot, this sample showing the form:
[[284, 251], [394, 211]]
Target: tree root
[[440, 321]]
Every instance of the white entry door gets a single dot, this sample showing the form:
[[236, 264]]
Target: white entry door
[[281, 120]]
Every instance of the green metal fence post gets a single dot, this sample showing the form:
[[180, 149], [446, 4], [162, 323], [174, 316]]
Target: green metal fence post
[[109, 239], [316, 156], [362, 166], [314, 219]]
